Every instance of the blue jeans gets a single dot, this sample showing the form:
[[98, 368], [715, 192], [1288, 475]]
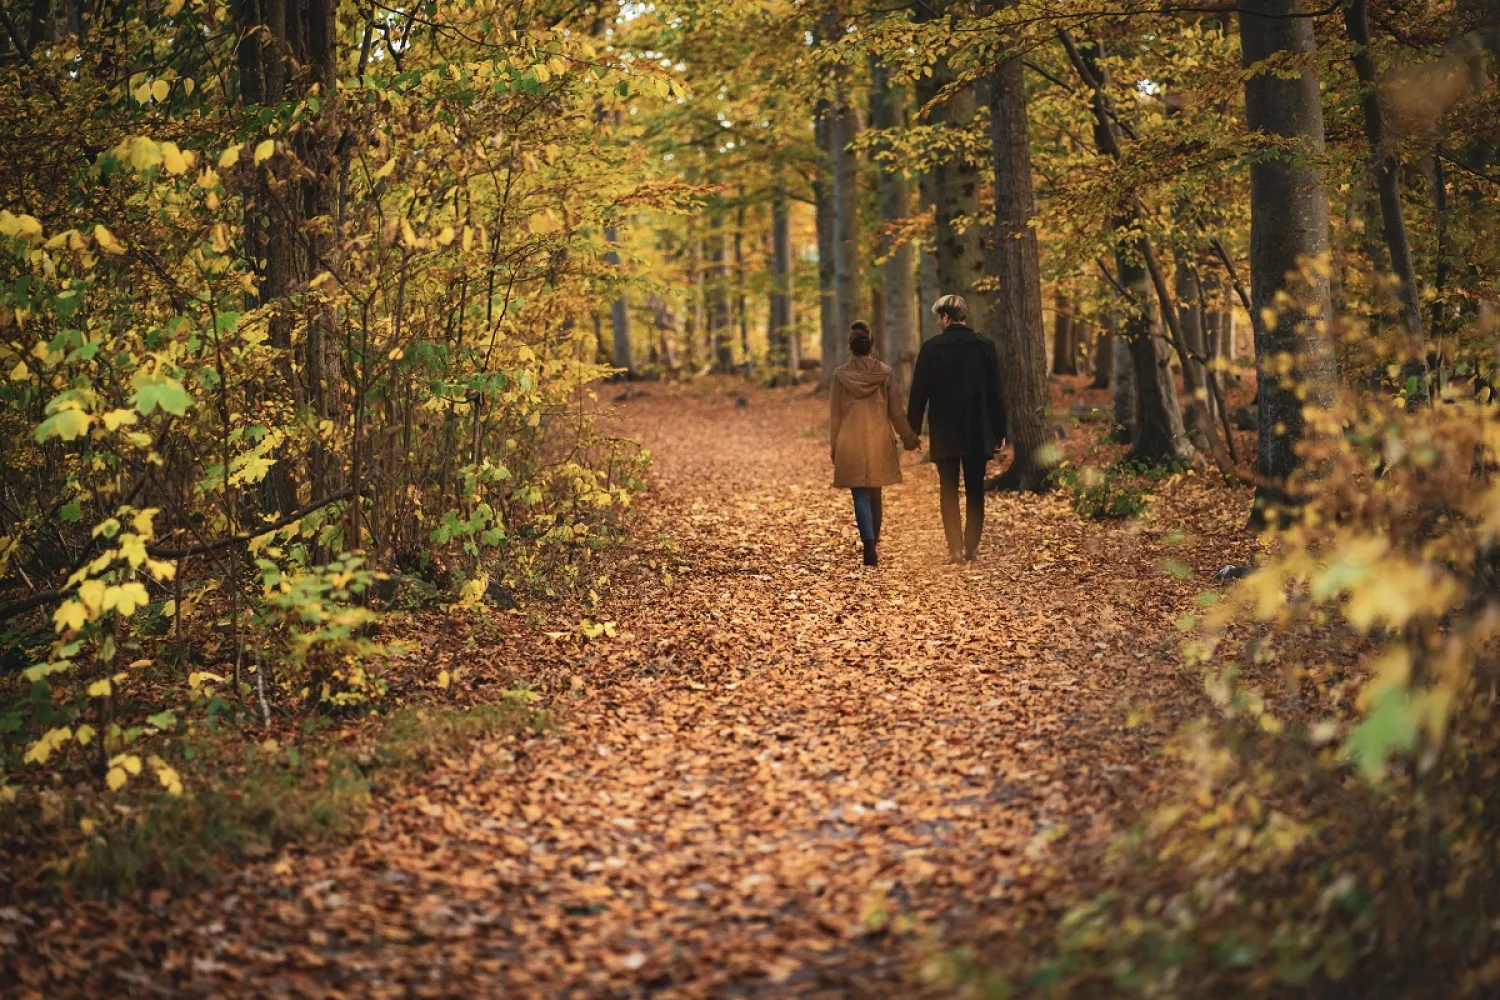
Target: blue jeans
[[867, 512]]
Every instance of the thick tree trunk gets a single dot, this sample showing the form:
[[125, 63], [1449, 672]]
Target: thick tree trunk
[[1016, 320], [828, 320], [786, 353], [957, 236], [1064, 346], [843, 129], [899, 346], [1288, 224]]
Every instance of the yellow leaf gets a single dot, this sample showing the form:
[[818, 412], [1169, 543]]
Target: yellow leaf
[[91, 593], [385, 171], [167, 775], [127, 597], [142, 94], [444, 679], [445, 236], [265, 151], [100, 688], [141, 521], [230, 156], [116, 779], [129, 762], [408, 235], [115, 419], [174, 7], [70, 615], [88, 826], [188, 86], [107, 241], [85, 735], [20, 373], [198, 678], [160, 89], [175, 160], [50, 741]]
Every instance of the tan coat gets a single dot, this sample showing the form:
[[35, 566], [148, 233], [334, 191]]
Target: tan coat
[[863, 413]]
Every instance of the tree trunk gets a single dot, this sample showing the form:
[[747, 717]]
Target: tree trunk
[[1159, 437], [828, 324], [1387, 183], [1122, 389], [619, 315], [899, 346], [1104, 353], [699, 342], [1190, 321], [1064, 346], [786, 352], [1288, 223], [957, 236], [721, 330], [1016, 320], [742, 317], [843, 129]]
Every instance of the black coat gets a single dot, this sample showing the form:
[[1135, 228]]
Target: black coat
[[957, 383]]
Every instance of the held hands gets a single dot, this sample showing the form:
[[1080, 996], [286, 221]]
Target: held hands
[[912, 443]]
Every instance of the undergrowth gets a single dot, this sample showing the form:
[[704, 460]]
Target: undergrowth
[[244, 802]]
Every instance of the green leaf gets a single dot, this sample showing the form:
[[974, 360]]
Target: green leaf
[[162, 720], [154, 391], [1389, 726]]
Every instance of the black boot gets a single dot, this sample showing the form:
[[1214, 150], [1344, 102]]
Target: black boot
[[872, 558]]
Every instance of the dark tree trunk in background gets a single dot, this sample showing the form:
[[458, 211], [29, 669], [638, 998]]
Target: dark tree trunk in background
[[719, 321], [1064, 345], [1384, 167], [1016, 320], [958, 239], [1288, 222], [741, 315], [844, 128], [1122, 388], [898, 273], [928, 288], [621, 355], [1104, 352], [786, 352], [1190, 321], [828, 321], [1159, 437]]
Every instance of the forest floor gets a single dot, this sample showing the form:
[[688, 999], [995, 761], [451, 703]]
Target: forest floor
[[776, 773]]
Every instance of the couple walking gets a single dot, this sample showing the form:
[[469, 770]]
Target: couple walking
[[956, 384]]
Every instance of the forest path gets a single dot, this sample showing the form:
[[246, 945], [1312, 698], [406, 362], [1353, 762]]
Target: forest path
[[783, 775]]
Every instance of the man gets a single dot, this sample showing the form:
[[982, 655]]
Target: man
[[957, 384]]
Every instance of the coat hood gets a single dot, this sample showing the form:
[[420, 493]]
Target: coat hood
[[861, 377]]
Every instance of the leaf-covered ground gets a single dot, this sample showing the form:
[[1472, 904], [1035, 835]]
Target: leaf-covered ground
[[776, 774]]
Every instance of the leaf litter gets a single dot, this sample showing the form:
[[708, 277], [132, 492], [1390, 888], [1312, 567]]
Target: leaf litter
[[774, 773]]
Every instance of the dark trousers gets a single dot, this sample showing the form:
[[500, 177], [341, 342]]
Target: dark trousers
[[962, 537], [867, 512]]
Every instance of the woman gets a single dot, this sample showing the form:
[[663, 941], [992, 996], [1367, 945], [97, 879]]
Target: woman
[[863, 412]]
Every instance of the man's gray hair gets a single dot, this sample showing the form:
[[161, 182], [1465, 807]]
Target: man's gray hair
[[952, 306]]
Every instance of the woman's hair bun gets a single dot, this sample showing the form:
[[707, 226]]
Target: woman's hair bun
[[859, 326], [861, 341]]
